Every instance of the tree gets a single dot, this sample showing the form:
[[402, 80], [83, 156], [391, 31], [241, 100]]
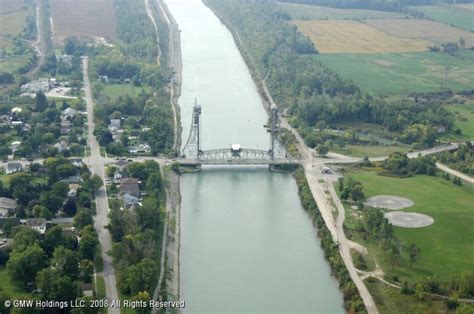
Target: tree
[[41, 103], [414, 253], [88, 243], [139, 277], [6, 78], [53, 286], [24, 237], [322, 150], [65, 262], [23, 265], [97, 182], [52, 239], [51, 201], [83, 218], [144, 298], [70, 207], [87, 270]]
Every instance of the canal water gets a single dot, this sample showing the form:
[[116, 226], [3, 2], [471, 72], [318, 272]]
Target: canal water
[[247, 245]]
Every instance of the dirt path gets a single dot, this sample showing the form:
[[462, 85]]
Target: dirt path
[[456, 173], [149, 12]]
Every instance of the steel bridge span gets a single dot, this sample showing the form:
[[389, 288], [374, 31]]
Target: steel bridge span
[[193, 155]]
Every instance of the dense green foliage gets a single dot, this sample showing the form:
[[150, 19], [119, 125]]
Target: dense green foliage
[[399, 164], [352, 301], [135, 29], [462, 159], [137, 233], [310, 91]]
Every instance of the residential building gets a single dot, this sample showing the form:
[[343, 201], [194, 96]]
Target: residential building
[[65, 127], [129, 186], [38, 224], [13, 167], [7, 206]]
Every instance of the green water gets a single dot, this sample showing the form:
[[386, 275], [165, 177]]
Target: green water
[[247, 245]]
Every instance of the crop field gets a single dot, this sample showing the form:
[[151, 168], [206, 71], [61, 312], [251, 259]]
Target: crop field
[[447, 246], [422, 29], [83, 18], [313, 12], [340, 36], [449, 15], [9, 6], [12, 23], [403, 73]]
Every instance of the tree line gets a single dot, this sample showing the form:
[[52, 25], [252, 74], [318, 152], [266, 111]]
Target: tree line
[[309, 91]]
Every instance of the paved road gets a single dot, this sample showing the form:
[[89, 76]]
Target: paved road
[[96, 163]]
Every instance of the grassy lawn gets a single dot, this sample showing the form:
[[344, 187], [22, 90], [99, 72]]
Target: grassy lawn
[[390, 300], [448, 15], [464, 120], [101, 293], [313, 12], [116, 90], [403, 73], [370, 150], [9, 288], [447, 246]]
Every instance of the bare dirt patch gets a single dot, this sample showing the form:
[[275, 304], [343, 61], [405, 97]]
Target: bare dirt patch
[[83, 18], [391, 202], [409, 220], [422, 29], [341, 36]]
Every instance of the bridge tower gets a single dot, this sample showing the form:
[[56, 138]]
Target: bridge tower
[[273, 130], [192, 149]]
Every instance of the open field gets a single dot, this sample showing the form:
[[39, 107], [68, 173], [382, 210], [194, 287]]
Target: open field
[[403, 73], [464, 120], [448, 15], [314, 12], [447, 246], [83, 18], [335, 36], [9, 6], [116, 90], [12, 24], [423, 29], [390, 300]]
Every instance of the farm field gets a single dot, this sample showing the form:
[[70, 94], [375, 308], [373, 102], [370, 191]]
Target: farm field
[[447, 246], [448, 15], [337, 36], [9, 6], [464, 120], [83, 18], [313, 12], [403, 73], [12, 24], [422, 29]]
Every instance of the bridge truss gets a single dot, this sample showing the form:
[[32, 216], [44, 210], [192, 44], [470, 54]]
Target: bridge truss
[[234, 155]]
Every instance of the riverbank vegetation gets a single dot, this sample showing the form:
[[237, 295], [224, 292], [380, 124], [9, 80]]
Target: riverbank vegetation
[[352, 299], [137, 232]]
